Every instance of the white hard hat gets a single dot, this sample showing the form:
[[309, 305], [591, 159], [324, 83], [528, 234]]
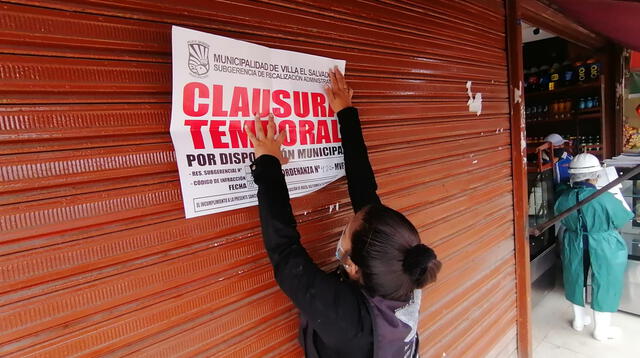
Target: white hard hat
[[555, 139], [584, 163]]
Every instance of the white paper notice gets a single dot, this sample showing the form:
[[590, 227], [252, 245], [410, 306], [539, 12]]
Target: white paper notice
[[218, 84]]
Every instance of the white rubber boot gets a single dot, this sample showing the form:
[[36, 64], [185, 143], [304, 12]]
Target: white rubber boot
[[581, 318], [603, 330]]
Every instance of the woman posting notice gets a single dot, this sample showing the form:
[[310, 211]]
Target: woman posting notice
[[370, 306]]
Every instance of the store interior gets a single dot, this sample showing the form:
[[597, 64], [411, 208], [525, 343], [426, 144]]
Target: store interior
[[568, 92]]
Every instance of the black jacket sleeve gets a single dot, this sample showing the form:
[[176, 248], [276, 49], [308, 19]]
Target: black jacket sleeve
[[360, 178], [330, 305]]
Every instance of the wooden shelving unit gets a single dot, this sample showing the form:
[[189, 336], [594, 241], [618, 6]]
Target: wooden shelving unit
[[577, 122]]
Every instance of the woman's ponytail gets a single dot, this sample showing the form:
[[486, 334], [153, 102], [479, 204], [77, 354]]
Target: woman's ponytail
[[421, 265]]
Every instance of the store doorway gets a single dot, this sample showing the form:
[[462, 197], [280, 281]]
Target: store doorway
[[564, 116]]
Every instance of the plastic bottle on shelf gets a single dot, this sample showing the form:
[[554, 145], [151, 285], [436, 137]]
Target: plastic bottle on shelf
[[554, 77], [581, 103], [543, 78], [555, 109], [593, 68], [570, 138], [589, 103], [540, 112], [567, 105], [533, 79], [581, 72], [596, 101], [561, 109], [568, 74], [581, 142]]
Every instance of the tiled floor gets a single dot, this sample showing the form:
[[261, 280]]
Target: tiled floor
[[553, 336]]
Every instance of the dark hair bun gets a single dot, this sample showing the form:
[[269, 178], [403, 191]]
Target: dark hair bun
[[421, 264]]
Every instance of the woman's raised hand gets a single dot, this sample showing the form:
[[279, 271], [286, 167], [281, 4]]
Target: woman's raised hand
[[267, 144], [338, 91]]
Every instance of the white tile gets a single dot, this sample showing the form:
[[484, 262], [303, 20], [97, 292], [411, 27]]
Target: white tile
[[584, 343], [552, 312], [552, 332], [548, 350]]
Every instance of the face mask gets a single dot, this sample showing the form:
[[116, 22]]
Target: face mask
[[341, 255]]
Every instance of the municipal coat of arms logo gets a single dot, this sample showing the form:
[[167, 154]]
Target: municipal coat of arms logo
[[198, 58]]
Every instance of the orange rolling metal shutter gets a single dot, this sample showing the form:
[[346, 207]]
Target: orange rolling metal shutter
[[96, 257]]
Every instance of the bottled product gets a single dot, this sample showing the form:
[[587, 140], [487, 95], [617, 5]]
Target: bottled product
[[581, 103], [581, 72], [533, 79], [589, 103], [567, 77], [563, 108], [555, 108], [550, 78], [593, 69], [543, 78], [554, 77]]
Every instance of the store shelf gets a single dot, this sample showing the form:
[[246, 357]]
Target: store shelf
[[578, 122], [583, 116], [588, 110], [591, 113], [550, 121], [571, 90]]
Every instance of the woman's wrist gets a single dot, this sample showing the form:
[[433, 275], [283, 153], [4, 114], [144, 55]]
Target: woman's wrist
[[348, 117], [345, 109], [264, 167]]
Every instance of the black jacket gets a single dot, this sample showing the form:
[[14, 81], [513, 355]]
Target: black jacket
[[335, 309]]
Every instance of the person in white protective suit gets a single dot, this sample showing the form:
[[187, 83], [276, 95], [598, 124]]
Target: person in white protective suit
[[592, 243]]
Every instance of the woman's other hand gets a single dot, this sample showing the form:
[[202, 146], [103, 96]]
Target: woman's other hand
[[268, 144], [338, 91]]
